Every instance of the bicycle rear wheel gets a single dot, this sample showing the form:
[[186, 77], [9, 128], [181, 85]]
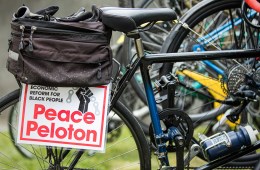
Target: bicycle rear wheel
[[209, 26], [212, 25], [205, 20], [126, 146]]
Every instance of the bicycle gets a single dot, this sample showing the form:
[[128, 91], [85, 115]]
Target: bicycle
[[184, 127], [197, 19], [145, 62], [207, 95], [193, 96]]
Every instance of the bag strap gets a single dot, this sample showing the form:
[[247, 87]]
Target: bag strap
[[48, 11], [81, 15]]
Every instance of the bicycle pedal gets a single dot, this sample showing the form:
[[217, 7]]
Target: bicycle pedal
[[194, 151]]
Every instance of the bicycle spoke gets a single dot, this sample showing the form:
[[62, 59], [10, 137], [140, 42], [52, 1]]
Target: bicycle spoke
[[7, 158], [128, 166], [110, 159]]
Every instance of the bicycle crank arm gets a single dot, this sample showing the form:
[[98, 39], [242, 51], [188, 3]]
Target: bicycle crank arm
[[194, 150]]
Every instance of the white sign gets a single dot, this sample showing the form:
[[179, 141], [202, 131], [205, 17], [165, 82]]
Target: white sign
[[64, 117]]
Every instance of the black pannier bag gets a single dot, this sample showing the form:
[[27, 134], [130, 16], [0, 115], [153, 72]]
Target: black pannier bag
[[60, 52]]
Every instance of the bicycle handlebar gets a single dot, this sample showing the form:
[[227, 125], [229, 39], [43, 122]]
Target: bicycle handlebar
[[254, 4]]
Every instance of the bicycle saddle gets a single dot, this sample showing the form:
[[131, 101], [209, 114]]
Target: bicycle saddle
[[128, 19]]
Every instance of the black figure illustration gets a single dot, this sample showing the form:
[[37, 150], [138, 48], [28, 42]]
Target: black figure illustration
[[84, 94]]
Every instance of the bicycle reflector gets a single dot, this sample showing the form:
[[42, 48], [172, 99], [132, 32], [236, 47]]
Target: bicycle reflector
[[250, 12], [254, 4]]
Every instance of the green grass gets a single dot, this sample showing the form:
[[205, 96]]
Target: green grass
[[10, 157], [17, 159]]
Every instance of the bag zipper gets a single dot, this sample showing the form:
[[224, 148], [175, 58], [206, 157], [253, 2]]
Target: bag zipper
[[52, 30], [22, 27], [33, 28]]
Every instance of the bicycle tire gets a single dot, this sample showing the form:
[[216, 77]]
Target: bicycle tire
[[12, 121], [178, 34], [192, 18], [139, 150]]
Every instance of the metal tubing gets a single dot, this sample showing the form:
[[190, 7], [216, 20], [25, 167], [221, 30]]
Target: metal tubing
[[139, 47], [209, 114], [154, 114], [151, 100], [207, 55], [124, 81], [214, 67]]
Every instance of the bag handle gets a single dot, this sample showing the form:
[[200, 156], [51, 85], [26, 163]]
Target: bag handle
[[80, 15], [48, 11], [24, 12], [45, 14]]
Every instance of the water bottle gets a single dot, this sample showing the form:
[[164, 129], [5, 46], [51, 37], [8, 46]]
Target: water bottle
[[224, 143]]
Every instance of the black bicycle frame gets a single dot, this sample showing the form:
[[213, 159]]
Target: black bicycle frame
[[145, 63], [198, 56]]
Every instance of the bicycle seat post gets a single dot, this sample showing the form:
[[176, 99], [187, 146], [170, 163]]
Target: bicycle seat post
[[138, 42]]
